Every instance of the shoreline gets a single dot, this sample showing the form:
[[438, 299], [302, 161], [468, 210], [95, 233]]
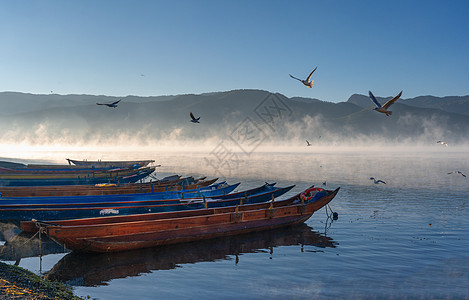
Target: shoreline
[[19, 283]]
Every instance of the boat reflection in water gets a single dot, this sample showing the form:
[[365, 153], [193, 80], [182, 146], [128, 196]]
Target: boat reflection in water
[[79, 269]]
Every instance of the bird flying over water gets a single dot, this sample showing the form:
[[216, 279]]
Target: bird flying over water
[[113, 104], [384, 108], [307, 82], [458, 172], [377, 181], [307, 143], [193, 119], [443, 143]]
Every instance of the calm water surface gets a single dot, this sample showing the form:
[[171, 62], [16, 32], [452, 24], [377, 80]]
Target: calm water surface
[[406, 239]]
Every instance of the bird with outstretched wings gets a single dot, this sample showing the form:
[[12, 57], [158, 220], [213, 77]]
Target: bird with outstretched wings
[[384, 108], [113, 104], [307, 82], [377, 181], [194, 119], [458, 172]]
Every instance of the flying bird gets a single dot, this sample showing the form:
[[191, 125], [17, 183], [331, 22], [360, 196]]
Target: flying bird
[[307, 143], [193, 119], [443, 143], [458, 172], [377, 181], [384, 108], [113, 104], [307, 82]]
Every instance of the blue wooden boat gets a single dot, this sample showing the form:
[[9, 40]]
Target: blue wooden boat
[[264, 188], [124, 201], [217, 189], [133, 207]]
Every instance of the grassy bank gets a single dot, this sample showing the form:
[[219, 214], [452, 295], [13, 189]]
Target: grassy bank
[[18, 283]]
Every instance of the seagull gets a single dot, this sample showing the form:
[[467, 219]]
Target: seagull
[[308, 82], [193, 119], [113, 104], [458, 172], [307, 143], [443, 143], [377, 181], [384, 108]]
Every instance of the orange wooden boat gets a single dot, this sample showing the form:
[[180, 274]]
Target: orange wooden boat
[[113, 234], [99, 269]]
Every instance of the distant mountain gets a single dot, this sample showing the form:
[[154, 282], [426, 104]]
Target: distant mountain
[[14, 102], [452, 104], [76, 118]]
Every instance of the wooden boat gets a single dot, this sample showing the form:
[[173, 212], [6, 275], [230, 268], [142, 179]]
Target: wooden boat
[[111, 176], [98, 269], [88, 174], [110, 164], [58, 169], [217, 189], [131, 208], [102, 189], [188, 226]]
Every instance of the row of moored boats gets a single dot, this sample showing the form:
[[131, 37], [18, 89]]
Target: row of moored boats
[[117, 215]]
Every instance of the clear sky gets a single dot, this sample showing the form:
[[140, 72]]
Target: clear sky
[[152, 48]]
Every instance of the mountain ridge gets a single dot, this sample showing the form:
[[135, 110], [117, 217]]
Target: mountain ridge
[[281, 117]]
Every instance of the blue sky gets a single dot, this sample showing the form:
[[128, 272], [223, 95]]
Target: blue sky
[[152, 48]]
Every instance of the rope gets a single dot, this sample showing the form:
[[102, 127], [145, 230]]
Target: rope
[[27, 241]]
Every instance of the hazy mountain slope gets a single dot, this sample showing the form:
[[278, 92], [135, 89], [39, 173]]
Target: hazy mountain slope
[[14, 102], [279, 117], [453, 104]]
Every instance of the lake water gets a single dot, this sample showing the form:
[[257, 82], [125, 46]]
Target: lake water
[[406, 239]]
